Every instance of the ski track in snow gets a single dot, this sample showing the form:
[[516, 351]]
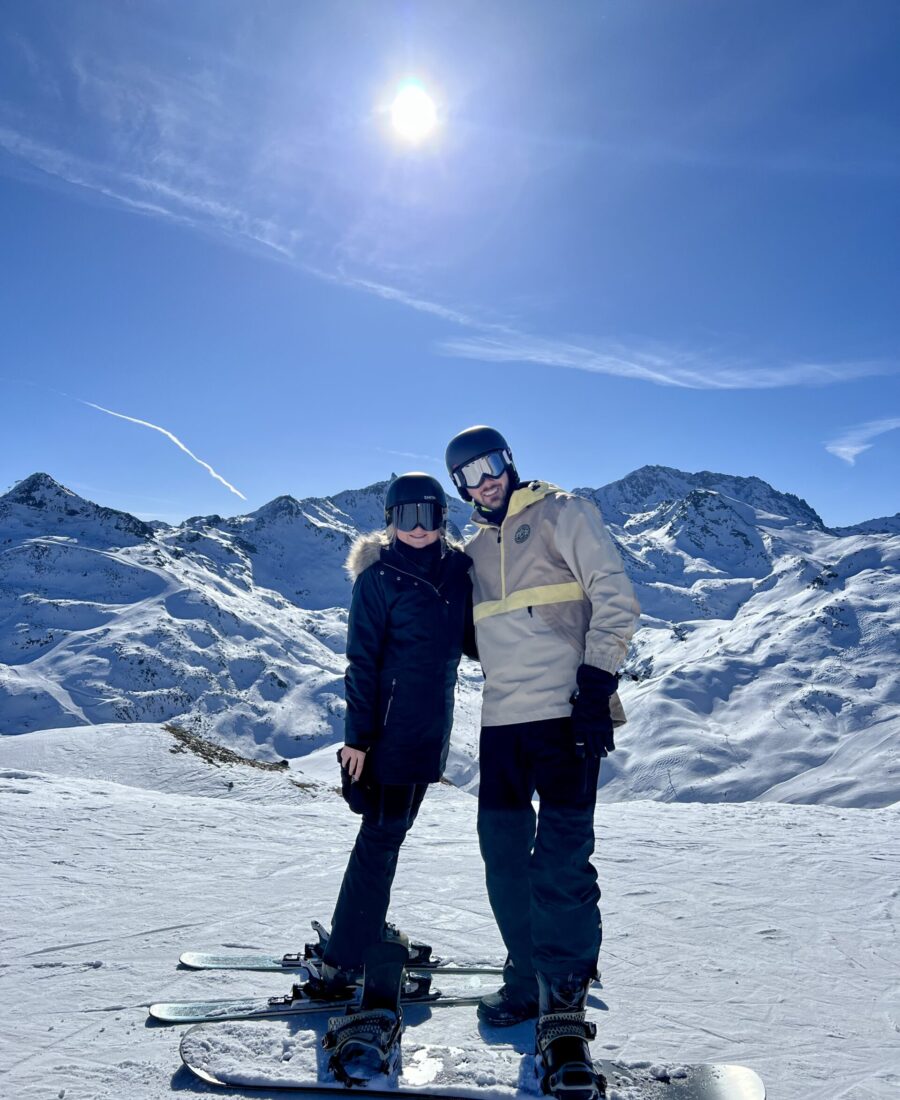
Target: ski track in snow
[[755, 933]]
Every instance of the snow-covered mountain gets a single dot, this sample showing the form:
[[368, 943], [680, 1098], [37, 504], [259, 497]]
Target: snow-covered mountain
[[886, 525], [644, 489], [765, 666]]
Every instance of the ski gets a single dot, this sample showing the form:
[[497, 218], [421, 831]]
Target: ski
[[421, 958], [416, 990], [200, 960], [274, 1057]]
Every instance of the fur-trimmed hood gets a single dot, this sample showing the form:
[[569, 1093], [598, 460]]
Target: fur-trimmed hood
[[366, 550]]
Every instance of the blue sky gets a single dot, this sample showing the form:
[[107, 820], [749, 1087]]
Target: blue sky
[[644, 232]]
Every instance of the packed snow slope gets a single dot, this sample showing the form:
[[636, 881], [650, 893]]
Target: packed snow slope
[[759, 934], [765, 666]]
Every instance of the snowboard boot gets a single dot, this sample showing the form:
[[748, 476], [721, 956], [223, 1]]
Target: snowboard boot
[[515, 1001], [562, 1055], [511, 1004], [365, 1041]]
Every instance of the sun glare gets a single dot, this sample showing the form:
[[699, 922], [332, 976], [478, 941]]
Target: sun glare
[[413, 113]]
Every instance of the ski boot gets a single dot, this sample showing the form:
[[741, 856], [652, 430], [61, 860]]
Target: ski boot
[[365, 1041], [328, 983], [562, 1055], [420, 956]]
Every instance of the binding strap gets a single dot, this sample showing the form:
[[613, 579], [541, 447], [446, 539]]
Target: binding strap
[[574, 1076], [374, 1030], [564, 1025]]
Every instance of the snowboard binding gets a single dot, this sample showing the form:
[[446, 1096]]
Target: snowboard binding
[[365, 1041], [561, 1037], [563, 1059]]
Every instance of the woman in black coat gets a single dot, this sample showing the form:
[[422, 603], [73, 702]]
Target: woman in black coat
[[410, 620]]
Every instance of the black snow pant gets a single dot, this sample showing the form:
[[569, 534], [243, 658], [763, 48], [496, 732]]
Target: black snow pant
[[365, 894], [541, 883]]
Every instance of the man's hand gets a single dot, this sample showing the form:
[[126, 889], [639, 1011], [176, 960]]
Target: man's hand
[[353, 760], [591, 721]]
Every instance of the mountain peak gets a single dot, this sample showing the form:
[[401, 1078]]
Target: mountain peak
[[35, 490], [648, 486], [41, 503], [282, 507]]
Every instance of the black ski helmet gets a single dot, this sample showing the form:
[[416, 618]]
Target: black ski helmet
[[473, 443], [414, 488]]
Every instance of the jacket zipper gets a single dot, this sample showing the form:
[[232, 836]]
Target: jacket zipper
[[419, 580], [502, 542], [390, 700]]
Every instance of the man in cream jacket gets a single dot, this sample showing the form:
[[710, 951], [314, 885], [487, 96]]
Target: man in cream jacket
[[554, 612]]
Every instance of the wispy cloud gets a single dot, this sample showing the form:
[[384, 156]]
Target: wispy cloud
[[164, 431], [181, 145], [411, 301], [411, 454], [856, 439], [658, 364], [150, 196], [486, 341]]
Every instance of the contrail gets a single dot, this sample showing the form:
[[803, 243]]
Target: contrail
[[146, 424]]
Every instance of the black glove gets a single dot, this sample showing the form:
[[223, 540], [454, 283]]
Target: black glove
[[591, 721], [357, 793]]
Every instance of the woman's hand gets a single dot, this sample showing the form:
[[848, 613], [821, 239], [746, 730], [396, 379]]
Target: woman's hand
[[353, 760]]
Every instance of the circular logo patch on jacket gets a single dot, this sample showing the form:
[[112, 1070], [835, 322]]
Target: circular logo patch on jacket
[[522, 533]]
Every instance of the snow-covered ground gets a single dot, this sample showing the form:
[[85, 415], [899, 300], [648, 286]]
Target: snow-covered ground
[[756, 933]]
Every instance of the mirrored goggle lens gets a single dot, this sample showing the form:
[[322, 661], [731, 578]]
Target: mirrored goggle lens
[[473, 473], [407, 517]]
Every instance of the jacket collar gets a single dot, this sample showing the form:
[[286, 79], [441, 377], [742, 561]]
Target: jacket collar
[[376, 546], [522, 498]]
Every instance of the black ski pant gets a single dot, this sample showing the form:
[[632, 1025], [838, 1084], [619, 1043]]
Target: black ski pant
[[365, 894], [541, 883]]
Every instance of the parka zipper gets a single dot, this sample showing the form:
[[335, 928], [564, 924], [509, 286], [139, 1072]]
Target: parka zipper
[[418, 580], [502, 542], [390, 700]]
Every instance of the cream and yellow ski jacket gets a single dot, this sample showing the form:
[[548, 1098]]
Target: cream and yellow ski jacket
[[550, 594]]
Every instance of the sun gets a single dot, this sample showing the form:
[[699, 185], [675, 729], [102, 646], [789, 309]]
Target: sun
[[413, 112]]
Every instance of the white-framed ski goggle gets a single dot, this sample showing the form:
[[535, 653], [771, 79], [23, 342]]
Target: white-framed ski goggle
[[471, 474]]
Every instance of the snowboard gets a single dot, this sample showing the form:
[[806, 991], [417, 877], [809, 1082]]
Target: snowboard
[[281, 1055]]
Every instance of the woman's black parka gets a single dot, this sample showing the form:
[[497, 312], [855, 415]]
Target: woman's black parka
[[406, 633]]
